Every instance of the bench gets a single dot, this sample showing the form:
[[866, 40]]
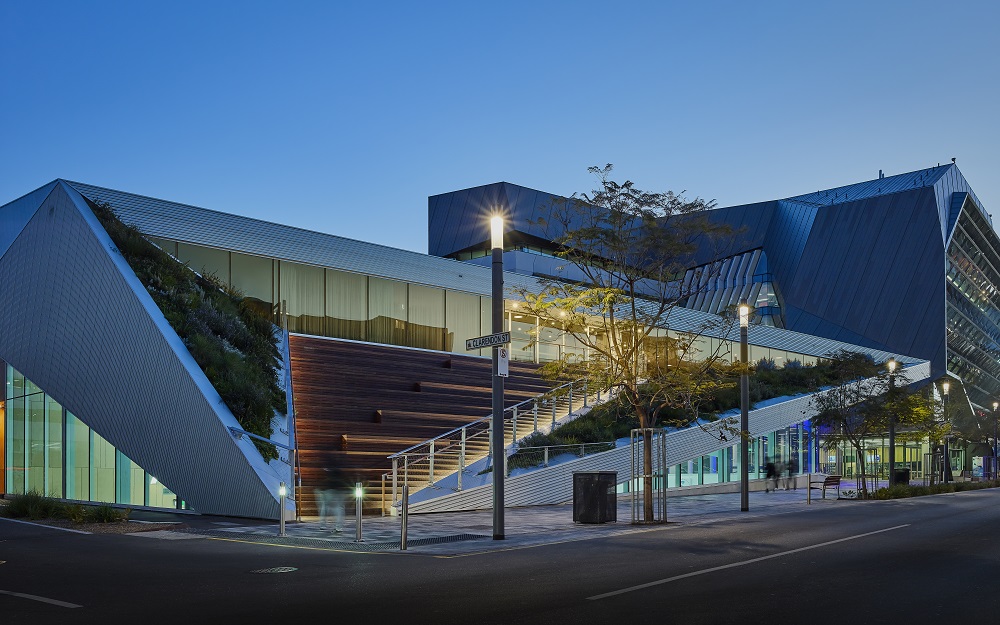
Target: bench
[[830, 481]]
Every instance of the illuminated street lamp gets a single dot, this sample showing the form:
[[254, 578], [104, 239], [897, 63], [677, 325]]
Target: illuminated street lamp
[[499, 460], [892, 423], [744, 411], [945, 462]]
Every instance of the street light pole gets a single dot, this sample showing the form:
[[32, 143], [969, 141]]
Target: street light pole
[[744, 412], [892, 423], [995, 406], [945, 462], [499, 455]]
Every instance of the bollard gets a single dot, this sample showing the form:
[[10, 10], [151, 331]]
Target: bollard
[[809, 490], [358, 493], [282, 491], [461, 460], [404, 510]]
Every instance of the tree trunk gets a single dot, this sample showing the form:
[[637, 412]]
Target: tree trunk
[[861, 466], [647, 470]]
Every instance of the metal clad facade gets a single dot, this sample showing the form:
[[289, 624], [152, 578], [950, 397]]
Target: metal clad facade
[[79, 324]]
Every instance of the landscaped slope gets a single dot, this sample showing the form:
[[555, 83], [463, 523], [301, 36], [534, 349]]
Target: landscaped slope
[[232, 343]]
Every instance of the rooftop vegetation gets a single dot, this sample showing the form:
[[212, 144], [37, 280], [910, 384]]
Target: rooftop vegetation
[[233, 343]]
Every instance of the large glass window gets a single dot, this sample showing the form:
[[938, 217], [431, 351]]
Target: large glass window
[[346, 305], [130, 481], [386, 311], [205, 260], [77, 459], [15, 465], [252, 276], [102, 469], [53, 448], [463, 319], [426, 317], [36, 442], [303, 288]]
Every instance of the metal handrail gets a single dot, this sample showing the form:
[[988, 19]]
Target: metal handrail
[[450, 448], [530, 400]]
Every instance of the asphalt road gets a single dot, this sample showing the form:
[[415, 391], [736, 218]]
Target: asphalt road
[[926, 560]]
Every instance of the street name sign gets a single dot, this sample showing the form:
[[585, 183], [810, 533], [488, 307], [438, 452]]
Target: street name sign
[[490, 340]]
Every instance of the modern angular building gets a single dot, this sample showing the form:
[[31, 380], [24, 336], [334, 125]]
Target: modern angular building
[[103, 402], [908, 264]]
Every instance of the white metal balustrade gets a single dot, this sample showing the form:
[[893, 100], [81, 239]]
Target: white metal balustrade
[[444, 460]]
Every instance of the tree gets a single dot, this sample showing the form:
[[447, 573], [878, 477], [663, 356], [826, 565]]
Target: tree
[[632, 249], [859, 406]]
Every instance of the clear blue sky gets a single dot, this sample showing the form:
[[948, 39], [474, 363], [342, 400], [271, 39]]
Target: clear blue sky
[[344, 117]]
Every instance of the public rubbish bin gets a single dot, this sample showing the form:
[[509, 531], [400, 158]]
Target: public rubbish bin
[[901, 476], [594, 497]]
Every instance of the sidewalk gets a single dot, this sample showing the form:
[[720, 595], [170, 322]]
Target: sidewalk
[[464, 533]]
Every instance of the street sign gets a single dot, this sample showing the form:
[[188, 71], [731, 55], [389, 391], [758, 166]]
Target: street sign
[[503, 361], [490, 340]]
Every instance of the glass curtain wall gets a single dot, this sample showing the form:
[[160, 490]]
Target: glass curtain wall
[[50, 451], [339, 304]]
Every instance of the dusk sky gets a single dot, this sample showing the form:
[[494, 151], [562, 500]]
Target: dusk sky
[[344, 117]]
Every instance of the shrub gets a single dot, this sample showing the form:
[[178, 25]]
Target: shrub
[[106, 513], [32, 505]]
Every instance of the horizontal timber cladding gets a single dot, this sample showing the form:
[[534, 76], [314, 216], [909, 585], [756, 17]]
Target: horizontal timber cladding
[[357, 403]]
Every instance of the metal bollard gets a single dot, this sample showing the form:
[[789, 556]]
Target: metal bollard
[[809, 490], [405, 511], [358, 494], [430, 465], [461, 460], [282, 491]]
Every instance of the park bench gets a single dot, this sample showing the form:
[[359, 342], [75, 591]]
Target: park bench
[[830, 481]]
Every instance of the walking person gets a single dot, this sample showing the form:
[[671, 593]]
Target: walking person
[[793, 468], [330, 497], [769, 475], [779, 474]]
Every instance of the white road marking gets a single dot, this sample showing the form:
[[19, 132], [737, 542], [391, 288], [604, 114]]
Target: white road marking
[[736, 564], [64, 604], [51, 527]]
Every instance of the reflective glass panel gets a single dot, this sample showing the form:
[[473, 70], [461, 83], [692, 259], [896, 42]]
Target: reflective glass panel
[[386, 311], [346, 305], [302, 288], [205, 260], [53, 448], [463, 319], [102, 469], [252, 276], [426, 317], [77, 459]]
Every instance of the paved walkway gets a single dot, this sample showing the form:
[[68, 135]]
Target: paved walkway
[[463, 533]]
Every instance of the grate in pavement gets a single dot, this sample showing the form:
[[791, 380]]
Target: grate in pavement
[[328, 544], [276, 569]]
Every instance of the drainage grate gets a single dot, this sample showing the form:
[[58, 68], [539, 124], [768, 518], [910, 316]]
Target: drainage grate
[[276, 569]]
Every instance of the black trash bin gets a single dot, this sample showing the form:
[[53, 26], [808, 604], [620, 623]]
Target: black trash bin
[[901, 476], [594, 497]]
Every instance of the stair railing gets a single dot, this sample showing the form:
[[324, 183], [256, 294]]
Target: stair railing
[[434, 461]]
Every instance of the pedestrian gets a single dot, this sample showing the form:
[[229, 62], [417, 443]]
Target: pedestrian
[[793, 468], [769, 475], [779, 474], [330, 496]]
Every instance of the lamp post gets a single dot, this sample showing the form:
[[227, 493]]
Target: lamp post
[[995, 406], [892, 423], [282, 493], [499, 460], [945, 462], [744, 412]]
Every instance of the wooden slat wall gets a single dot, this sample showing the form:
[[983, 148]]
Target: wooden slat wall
[[360, 402]]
